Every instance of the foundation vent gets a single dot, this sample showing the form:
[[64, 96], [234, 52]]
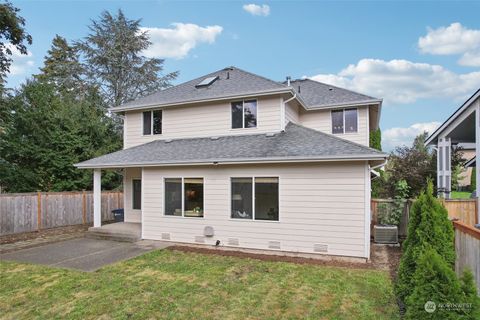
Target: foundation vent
[[200, 239], [165, 236], [320, 247], [274, 244], [232, 241]]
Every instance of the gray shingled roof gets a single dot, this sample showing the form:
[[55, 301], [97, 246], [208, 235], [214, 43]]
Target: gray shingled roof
[[234, 82], [317, 94], [295, 143]]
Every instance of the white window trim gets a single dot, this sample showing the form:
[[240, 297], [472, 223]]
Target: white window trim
[[151, 123], [253, 199], [243, 115], [343, 114], [133, 193], [183, 198]]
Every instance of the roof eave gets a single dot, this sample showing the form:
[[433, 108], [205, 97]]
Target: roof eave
[[182, 103], [434, 136], [346, 104], [236, 161]]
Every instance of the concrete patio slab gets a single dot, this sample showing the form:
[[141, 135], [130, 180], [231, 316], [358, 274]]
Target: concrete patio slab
[[83, 253]]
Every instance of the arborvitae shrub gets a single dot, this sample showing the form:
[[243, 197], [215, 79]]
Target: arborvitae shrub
[[428, 226]]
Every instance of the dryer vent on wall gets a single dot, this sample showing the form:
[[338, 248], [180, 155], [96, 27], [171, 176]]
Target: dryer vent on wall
[[320, 247], [274, 244], [200, 239], [165, 236], [233, 241]]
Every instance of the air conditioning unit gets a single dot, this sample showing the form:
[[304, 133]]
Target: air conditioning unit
[[385, 234]]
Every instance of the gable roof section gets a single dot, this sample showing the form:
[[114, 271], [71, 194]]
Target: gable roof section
[[296, 143], [231, 82], [434, 136], [317, 94], [234, 83]]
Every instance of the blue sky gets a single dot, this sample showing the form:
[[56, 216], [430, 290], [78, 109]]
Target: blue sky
[[422, 58]]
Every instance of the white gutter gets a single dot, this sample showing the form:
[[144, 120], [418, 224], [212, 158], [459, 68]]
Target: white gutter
[[282, 116], [230, 161], [174, 104]]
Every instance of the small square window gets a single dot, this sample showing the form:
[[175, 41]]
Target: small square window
[[344, 121], [244, 114]]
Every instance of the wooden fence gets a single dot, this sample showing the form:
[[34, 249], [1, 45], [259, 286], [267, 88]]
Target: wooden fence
[[464, 210], [467, 248], [26, 212]]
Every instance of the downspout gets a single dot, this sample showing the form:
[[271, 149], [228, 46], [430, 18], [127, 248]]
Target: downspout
[[282, 118]]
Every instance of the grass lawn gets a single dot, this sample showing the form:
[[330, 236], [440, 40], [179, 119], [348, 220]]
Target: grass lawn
[[460, 195], [167, 284]]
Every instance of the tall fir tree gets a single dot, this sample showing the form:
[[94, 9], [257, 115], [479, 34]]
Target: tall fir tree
[[114, 60]]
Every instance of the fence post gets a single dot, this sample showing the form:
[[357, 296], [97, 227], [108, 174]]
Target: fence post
[[84, 207], [39, 211]]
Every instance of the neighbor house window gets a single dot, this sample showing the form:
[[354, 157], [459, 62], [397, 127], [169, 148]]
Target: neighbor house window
[[152, 122], [244, 114], [255, 198], [184, 197], [137, 194], [344, 121]]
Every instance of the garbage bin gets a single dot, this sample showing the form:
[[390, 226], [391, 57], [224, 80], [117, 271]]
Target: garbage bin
[[118, 215]]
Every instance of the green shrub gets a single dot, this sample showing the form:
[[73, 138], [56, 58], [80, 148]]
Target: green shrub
[[469, 288], [429, 226], [434, 280], [473, 179]]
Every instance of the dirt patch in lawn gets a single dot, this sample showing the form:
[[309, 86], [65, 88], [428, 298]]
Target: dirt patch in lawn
[[46, 233], [383, 257]]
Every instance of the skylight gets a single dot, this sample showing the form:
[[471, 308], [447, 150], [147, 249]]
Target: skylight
[[207, 81]]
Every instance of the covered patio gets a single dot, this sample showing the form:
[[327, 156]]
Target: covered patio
[[463, 126]]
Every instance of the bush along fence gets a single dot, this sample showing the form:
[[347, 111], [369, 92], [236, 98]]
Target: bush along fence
[[467, 248], [27, 212]]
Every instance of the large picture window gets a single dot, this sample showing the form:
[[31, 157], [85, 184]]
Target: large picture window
[[244, 114], [184, 197], [152, 122], [255, 198], [344, 121]]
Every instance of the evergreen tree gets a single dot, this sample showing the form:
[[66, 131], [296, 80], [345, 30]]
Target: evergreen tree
[[13, 36], [49, 132], [62, 67], [376, 139], [434, 280], [429, 227], [113, 58]]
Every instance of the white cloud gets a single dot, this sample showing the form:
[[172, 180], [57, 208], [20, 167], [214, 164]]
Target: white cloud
[[452, 40], [21, 63], [404, 136], [403, 81], [176, 42], [257, 10]]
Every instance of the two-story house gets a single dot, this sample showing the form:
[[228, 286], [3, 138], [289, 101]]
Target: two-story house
[[238, 160]]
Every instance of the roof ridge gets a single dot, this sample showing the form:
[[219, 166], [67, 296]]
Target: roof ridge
[[257, 75], [337, 87], [336, 138]]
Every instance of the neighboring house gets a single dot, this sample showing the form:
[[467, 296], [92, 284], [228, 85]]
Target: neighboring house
[[463, 126], [465, 176], [257, 163]]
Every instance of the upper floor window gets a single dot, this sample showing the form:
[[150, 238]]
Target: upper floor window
[[344, 121], [244, 114], [152, 122]]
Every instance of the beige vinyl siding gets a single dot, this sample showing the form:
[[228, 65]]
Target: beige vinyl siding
[[319, 204], [203, 120], [131, 215], [291, 113], [321, 120]]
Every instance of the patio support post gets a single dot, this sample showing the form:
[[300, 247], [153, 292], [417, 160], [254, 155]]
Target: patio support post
[[97, 198], [444, 163], [477, 151]]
